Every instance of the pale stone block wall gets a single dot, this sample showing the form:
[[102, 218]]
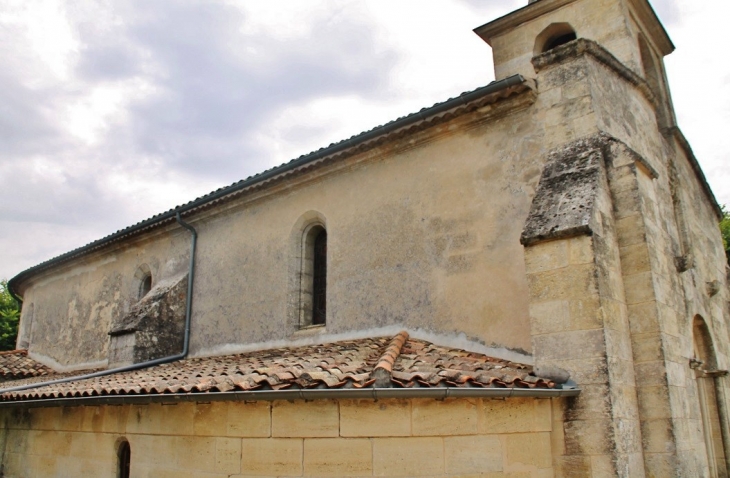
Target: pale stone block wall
[[328, 438]]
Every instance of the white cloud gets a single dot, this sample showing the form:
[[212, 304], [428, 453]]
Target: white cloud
[[113, 111]]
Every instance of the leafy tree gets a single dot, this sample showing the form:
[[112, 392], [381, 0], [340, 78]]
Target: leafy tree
[[725, 229], [9, 317]]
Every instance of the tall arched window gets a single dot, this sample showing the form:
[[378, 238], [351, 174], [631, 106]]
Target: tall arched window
[[313, 279], [125, 457], [319, 279], [706, 372]]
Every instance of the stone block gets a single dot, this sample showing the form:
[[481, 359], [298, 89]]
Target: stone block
[[444, 417], [563, 316], [635, 258], [630, 230], [639, 288], [514, 415], [651, 373], [211, 419], [594, 401], [271, 456], [49, 442], [657, 435], [653, 401], [592, 437], [643, 318], [472, 454], [410, 456], [529, 449], [338, 457], [93, 419], [576, 466], [153, 449], [114, 419], [580, 250], [647, 347], [580, 344], [227, 455], [368, 418], [305, 419], [546, 256], [71, 418], [45, 418], [249, 419], [196, 453], [571, 282]]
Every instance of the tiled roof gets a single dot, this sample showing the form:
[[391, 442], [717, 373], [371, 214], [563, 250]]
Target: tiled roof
[[406, 362], [15, 364]]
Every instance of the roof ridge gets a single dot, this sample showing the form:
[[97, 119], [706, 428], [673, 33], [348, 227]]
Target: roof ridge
[[384, 369]]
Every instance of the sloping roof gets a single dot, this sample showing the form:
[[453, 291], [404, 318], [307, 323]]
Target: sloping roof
[[15, 364], [407, 362], [426, 117]]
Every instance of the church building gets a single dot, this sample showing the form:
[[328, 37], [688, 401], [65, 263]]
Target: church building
[[525, 280]]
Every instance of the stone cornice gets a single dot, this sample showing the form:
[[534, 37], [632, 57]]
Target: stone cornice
[[583, 46]]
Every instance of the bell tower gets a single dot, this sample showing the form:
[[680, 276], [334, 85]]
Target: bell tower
[[628, 29]]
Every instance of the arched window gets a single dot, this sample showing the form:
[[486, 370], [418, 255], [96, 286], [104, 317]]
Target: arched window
[[705, 365], [125, 457], [313, 280], [553, 36], [319, 279], [143, 278]]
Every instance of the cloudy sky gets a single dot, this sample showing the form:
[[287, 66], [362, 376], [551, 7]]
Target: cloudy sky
[[112, 111]]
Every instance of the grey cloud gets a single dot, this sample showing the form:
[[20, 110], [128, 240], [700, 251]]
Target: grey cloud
[[219, 86]]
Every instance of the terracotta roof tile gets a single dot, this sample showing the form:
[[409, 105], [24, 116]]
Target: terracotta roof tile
[[346, 364], [15, 364]]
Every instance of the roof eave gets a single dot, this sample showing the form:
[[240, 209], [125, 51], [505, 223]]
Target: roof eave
[[436, 393]]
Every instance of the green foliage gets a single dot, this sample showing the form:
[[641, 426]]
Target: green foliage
[[725, 229], [9, 318]]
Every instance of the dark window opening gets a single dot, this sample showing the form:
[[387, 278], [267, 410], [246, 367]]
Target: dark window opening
[[125, 456], [560, 40], [145, 286], [319, 279]]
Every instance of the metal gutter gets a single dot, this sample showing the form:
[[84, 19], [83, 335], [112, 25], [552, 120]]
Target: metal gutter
[[170, 215], [437, 393], [150, 363]]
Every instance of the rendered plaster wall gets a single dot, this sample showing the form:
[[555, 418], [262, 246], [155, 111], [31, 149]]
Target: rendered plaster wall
[[68, 313], [406, 438], [603, 21], [422, 233]]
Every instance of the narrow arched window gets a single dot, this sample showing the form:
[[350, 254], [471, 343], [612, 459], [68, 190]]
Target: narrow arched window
[[145, 286], [125, 457], [319, 279], [313, 277]]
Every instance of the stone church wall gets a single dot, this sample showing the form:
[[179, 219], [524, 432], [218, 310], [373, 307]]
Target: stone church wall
[[400, 438]]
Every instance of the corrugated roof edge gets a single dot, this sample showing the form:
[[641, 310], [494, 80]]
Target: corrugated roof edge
[[333, 148]]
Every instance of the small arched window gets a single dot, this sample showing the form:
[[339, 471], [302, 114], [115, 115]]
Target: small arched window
[[143, 278], [125, 457], [553, 36]]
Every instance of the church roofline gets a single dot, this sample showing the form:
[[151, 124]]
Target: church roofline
[[496, 89]]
